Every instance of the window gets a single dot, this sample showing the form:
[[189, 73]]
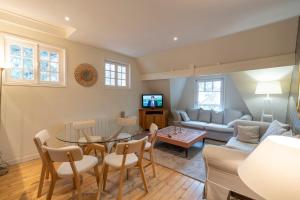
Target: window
[[209, 94], [33, 63], [116, 74]]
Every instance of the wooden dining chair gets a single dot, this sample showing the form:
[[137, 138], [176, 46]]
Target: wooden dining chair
[[85, 131], [149, 146], [41, 139], [127, 155], [73, 165]]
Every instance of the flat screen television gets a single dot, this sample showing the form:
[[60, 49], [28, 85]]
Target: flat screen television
[[152, 101]]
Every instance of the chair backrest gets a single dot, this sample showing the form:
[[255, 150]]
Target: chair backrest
[[40, 139], [153, 130], [64, 154], [84, 128], [134, 146]]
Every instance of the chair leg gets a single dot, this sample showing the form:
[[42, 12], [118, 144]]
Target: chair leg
[[47, 172], [105, 172], [42, 178], [143, 178], [152, 163], [120, 192], [97, 174], [100, 186], [51, 189], [78, 188]]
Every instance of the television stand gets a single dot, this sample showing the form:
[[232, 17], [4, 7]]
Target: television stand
[[158, 116]]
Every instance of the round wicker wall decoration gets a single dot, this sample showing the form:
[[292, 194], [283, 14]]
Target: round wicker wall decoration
[[86, 75]]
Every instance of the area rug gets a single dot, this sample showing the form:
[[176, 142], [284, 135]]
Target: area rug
[[173, 157]]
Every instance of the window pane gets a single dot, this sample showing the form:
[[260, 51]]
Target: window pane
[[201, 86], [124, 76], [112, 81], [107, 74], [28, 74], [112, 74], [107, 66], [112, 67], [15, 62], [44, 76], [54, 57], [123, 83], [209, 98], [119, 75], [16, 74], [217, 86], [15, 50], [54, 77], [119, 83], [123, 69], [54, 67], [44, 55], [27, 52], [28, 64], [107, 81], [119, 68], [44, 66], [208, 86]]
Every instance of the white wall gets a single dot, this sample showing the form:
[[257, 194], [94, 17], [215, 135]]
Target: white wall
[[26, 110]]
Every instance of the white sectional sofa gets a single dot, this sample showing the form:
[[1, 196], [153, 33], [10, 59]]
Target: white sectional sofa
[[219, 125], [222, 162]]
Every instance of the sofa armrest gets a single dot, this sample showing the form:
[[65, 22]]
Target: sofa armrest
[[246, 117], [223, 158]]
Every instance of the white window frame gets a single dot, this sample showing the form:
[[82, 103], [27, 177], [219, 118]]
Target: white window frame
[[10, 39], [208, 79], [128, 76]]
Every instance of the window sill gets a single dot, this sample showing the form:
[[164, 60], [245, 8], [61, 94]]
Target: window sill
[[116, 87], [34, 85]]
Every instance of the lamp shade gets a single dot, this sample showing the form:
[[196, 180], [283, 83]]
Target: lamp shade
[[268, 87], [272, 169]]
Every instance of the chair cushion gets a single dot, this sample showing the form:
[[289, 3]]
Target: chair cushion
[[204, 115], [219, 128], [115, 160], [93, 138], [243, 146], [195, 124], [217, 117], [193, 113], [82, 166]]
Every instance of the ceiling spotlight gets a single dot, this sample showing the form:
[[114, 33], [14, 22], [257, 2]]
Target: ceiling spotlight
[[67, 18], [175, 38]]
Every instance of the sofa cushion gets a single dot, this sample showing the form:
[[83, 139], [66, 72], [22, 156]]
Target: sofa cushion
[[184, 116], [248, 134], [204, 115], [243, 146], [217, 117], [193, 113], [194, 124], [219, 128], [275, 128], [230, 115]]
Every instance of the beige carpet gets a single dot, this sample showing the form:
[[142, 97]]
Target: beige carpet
[[173, 157]]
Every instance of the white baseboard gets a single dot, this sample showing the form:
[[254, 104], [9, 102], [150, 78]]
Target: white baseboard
[[23, 159]]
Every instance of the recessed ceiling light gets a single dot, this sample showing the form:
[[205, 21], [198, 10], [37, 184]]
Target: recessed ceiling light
[[67, 18], [175, 38]]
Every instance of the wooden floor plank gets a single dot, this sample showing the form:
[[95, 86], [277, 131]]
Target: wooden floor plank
[[22, 182]]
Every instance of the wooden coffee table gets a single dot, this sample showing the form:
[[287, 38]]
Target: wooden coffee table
[[182, 137]]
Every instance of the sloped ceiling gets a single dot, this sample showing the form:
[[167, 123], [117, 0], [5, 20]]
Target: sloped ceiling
[[271, 40]]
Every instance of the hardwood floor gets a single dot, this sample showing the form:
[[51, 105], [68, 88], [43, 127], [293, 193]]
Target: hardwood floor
[[22, 182]]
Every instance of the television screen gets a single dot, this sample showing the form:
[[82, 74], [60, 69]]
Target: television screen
[[152, 101]]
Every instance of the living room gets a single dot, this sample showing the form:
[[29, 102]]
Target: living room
[[149, 100]]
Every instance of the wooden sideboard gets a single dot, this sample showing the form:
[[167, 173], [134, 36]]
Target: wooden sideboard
[[157, 116]]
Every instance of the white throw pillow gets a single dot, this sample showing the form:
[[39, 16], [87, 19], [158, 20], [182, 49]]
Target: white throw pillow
[[248, 134], [274, 129], [185, 116]]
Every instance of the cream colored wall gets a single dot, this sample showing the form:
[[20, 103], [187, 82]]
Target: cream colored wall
[[271, 40], [26, 110]]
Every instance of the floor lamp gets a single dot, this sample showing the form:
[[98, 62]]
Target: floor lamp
[[3, 164], [267, 88]]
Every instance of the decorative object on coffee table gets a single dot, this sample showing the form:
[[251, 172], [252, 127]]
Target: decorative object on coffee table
[[86, 75], [185, 138]]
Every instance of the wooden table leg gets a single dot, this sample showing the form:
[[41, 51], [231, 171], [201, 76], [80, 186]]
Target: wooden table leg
[[186, 152]]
